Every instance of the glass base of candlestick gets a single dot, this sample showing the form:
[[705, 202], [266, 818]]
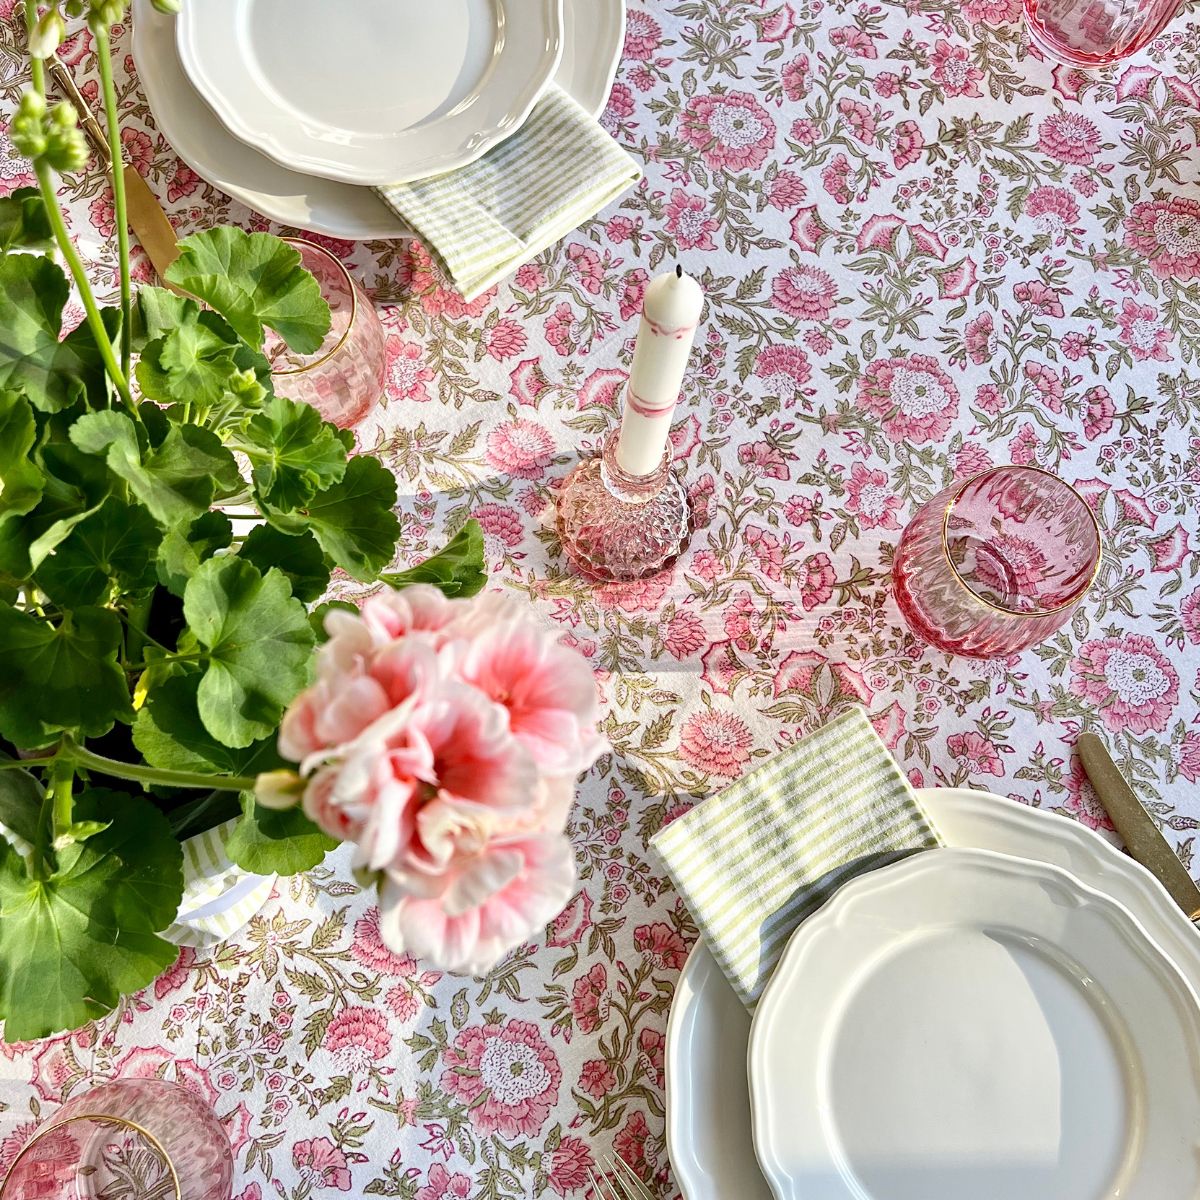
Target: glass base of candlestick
[[616, 526]]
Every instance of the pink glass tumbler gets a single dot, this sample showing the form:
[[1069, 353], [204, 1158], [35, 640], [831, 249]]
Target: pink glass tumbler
[[1094, 33], [996, 563]]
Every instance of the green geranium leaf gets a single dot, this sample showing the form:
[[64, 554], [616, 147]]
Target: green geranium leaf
[[177, 480], [184, 547], [195, 360], [20, 803], [271, 841], [293, 452], [257, 647], [169, 733], [299, 557], [21, 482], [115, 545], [157, 312], [60, 678], [252, 280], [457, 570], [24, 221], [73, 944], [353, 520], [316, 618]]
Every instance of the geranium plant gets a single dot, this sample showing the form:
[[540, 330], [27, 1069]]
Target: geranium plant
[[166, 522]]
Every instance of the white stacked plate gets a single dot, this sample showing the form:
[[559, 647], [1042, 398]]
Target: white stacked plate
[[296, 107], [1012, 1018]]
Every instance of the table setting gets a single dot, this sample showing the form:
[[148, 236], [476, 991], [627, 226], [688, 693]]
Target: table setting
[[599, 599]]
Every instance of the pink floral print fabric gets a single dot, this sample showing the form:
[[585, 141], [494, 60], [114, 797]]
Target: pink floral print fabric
[[925, 251]]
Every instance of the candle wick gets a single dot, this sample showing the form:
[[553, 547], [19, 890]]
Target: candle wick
[[678, 271]]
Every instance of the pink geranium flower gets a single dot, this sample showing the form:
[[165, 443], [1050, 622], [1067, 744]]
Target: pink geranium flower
[[731, 131], [871, 499], [689, 222], [913, 397], [506, 1075], [804, 292], [1129, 682]]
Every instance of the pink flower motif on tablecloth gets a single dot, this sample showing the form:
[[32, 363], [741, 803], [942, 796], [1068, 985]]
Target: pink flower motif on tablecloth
[[55, 1068], [1169, 551], [767, 460], [175, 976], [971, 459], [507, 1076], [1189, 614], [1037, 296], [795, 77], [1053, 210], [621, 105], [1082, 803], [407, 373], [854, 41], [583, 264], [835, 178], [402, 1002], [590, 999], [1048, 384], [992, 12], [914, 399], [652, 1054], [980, 338], [440, 1184], [568, 928], [808, 230], [783, 369], [1069, 137], [689, 222], [631, 1141], [1128, 681], [785, 191], [523, 449], [765, 550], [1023, 450], [596, 1077], [527, 382], [1167, 233], [505, 339], [890, 724], [567, 1165], [804, 292], [979, 755], [953, 69], [12, 1144], [562, 329], [367, 948], [1143, 332], [633, 289], [720, 665], [815, 580], [907, 144], [643, 35], [635, 595], [716, 742], [662, 945], [103, 214], [321, 1164], [859, 118], [155, 1062], [530, 277], [830, 685], [603, 387], [183, 183], [358, 1037], [1098, 412], [879, 232], [871, 499], [731, 131], [684, 634], [501, 525], [1186, 756], [989, 398]]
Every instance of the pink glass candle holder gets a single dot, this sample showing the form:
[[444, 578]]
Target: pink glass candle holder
[[618, 526], [344, 379], [1094, 33], [996, 563], [132, 1139]]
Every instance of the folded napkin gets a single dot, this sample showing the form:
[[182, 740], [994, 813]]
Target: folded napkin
[[485, 219], [754, 860]]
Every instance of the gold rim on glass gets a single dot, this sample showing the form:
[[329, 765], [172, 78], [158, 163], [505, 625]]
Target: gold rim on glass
[[350, 284], [99, 1119], [1008, 612]]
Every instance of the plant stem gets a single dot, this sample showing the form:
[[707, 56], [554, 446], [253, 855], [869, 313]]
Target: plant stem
[[41, 841], [62, 779], [36, 68], [82, 757], [102, 37]]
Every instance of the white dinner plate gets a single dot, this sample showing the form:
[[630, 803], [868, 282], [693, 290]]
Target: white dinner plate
[[372, 91], [594, 33], [708, 1105]]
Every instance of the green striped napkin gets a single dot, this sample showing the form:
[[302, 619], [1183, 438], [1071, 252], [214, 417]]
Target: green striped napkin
[[753, 861], [487, 218]]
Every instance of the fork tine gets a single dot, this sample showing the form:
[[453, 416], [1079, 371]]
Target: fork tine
[[634, 1186], [599, 1191]]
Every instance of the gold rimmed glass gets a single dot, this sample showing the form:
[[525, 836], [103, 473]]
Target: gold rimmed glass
[[128, 1139], [997, 562], [344, 379]]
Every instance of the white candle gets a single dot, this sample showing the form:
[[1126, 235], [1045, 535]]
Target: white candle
[[670, 315]]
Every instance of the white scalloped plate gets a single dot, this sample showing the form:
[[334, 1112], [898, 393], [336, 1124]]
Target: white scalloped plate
[[371, 91], [708, 1104]]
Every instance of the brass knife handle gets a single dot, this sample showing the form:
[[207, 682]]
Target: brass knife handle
[[92, 127]]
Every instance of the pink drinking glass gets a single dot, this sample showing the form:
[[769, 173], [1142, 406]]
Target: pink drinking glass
[[1093, 33], [344, 379], [128, 1139], [996, 563]]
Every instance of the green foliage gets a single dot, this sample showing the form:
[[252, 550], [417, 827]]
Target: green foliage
[[294, 453], [71, 944], [276, 841], [457, 569], [24, 222]]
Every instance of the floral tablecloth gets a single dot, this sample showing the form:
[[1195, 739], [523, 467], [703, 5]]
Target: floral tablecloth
[[925, 251]]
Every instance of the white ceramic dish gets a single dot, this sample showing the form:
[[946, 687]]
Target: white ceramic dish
[[594, 33], [374, 91], [963, 1023], [708, 1104]]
